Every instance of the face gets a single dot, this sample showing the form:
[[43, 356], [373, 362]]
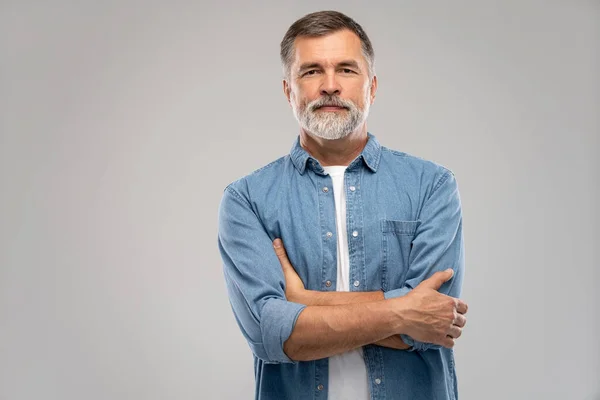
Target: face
[[328, 86]]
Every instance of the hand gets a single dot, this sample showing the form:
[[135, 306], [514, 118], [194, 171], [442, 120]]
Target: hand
[[294, 287], [430, 316]]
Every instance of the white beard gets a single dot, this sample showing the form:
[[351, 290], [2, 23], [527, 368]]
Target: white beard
[[331, 125]]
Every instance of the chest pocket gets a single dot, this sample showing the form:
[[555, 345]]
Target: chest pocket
[[397, 237]]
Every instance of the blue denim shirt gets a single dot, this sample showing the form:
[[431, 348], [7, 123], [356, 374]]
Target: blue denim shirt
[[404, 223]]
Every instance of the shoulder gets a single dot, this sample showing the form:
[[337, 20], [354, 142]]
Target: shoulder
[[410, 162], [263, 176]]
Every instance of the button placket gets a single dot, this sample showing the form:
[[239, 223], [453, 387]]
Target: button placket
[[324, 186], [355, 229]]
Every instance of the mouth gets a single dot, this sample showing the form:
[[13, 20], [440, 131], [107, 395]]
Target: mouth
[[330, 108]]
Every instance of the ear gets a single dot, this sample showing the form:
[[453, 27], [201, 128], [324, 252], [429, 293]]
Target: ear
[[373, 88], [287, 91]]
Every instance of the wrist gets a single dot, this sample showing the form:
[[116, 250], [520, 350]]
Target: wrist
[[396, 312]]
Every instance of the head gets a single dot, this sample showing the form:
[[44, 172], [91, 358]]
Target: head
[[329, 77]]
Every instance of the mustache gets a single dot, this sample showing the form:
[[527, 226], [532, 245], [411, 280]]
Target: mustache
[[333, 101]]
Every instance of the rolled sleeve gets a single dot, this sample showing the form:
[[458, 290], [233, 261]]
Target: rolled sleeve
[[437, 246], [254, 279], [278, 319]]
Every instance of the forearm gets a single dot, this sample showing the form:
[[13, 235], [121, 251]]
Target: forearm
[[323, 331], [316, 298]]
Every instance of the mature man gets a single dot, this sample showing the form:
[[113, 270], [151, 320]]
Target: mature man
[[362, 302]]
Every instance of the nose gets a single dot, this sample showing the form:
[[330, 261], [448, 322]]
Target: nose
[[330, 85]]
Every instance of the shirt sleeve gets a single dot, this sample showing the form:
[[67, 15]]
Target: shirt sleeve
[[437, 246], [254, 279]]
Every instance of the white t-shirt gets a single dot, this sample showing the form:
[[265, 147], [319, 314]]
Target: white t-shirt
[[348, 377]]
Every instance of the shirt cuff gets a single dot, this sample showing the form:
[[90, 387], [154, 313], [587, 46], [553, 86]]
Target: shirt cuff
[[277, 322]]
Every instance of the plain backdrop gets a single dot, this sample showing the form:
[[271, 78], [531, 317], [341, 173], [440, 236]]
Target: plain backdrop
[[122, 122]]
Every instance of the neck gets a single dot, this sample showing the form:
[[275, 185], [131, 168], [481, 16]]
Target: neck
[[335, 152]]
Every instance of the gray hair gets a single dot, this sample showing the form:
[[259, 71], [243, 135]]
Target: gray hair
[[322, 23]]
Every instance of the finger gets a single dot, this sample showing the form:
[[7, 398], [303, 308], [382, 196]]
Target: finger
[[447, 342], [280, 251], [461, 306], [454, 332], [460, 321], [438, 279]]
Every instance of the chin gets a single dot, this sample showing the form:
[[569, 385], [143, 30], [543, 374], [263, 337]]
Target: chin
[[328, 136]]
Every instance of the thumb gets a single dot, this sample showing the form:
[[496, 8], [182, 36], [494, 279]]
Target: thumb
[[280, 251], [436, 280]]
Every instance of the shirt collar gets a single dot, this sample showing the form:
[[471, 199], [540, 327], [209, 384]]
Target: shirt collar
[[370, 155]]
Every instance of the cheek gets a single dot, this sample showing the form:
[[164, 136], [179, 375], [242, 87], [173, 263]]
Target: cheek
[[307, 91], [301, 98]]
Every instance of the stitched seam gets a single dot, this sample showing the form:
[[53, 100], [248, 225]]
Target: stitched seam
[[236, 194], [247, 202], [395, 152], [443, 179]]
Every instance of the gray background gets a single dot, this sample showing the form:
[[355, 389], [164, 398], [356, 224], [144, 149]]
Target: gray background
[[122, 122]]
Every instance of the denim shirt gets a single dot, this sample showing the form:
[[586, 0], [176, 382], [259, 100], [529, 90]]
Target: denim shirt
[[404, 223]]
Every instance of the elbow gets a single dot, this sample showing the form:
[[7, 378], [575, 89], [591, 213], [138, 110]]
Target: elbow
[[268, 334], [293, 352]]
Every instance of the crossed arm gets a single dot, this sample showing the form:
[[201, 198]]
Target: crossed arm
[[425, 313], [296, 292]]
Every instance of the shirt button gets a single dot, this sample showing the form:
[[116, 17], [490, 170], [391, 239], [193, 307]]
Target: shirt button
[[329, 234], [325, 189], [352, 188], [320, 387], [378, 381], [328, 283], [356, 283], [355, 233]]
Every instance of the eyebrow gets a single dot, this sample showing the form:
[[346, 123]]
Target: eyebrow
[[345, 63]]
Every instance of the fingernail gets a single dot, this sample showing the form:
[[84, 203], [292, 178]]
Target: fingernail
[[277, 243]]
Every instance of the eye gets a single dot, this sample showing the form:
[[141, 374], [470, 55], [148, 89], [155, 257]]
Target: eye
[[310, 72], [347, 71]]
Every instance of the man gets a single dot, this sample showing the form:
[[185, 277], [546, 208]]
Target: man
[[344, 259]]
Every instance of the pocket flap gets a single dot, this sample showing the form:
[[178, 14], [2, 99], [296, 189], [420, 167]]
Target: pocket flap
[[399, 227]]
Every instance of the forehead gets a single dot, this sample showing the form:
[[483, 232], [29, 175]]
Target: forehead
[[336, 46]]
